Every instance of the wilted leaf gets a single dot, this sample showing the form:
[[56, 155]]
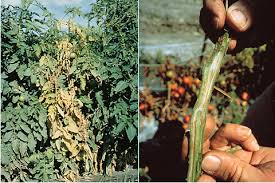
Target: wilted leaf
[[60, 111], [72, 126], [57, 134]]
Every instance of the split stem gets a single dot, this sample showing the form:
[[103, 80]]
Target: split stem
[[210, 71]]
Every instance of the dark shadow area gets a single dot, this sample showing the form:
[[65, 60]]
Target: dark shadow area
[[162, 154]]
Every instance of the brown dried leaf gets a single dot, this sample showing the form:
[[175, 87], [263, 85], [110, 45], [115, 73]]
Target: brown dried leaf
[[57, 134], [60, 111], [72, 127]]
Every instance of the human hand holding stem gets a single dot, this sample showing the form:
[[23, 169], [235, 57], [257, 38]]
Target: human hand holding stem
[[210, 72]]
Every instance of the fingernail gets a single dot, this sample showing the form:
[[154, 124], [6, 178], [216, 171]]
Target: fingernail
[[211, 164], [244, 131], [254, 145], [239, 18]]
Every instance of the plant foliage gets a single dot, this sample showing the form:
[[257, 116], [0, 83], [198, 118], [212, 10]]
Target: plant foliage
[[69, 91]]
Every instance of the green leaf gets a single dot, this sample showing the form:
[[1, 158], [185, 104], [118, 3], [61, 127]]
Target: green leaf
[[98, 137], [99, 99], [15, 146], [131, 132], [58, 144], [121, 85], [31, 142], [12, 67], [6, 174], [14, 59], [92, 144], [119, 128], [42, 119], [85, 100], [37, 135], [15, 99], [37, 50], [22, 136], [23, 115], [7, 136], [27, 72], [23, 148], [25, 128], [33, 79], [44, 132]]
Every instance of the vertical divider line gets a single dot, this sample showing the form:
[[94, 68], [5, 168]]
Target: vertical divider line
[[138, 89]]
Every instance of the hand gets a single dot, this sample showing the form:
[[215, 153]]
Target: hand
[[209, 130], [253, 163], [251, 22]]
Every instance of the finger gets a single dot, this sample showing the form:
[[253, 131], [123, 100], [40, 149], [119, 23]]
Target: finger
[[184, 151], [268, 169], [244, 155], [210, 127], [234, 133], [215, 10], [206, 178], [209, 26], [239, 16], [206, 146], [267, 154], [232, 44], [228, 167]]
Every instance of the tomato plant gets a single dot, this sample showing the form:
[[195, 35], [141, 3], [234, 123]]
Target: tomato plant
[[69, 92]]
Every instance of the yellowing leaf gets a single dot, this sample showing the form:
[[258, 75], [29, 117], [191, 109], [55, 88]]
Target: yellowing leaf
[[57, 134], [51, 112], [66, 134], [43, 60], [47, 85], [71, 145], [72, 127], [60, 111], [74, 151]]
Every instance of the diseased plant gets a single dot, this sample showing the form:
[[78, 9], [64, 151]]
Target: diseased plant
[[69, 92], [210, 73]]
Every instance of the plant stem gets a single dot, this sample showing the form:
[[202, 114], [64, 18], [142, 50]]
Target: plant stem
[[210, 71]]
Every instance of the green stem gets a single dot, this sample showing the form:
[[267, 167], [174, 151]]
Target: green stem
[[211, 70]]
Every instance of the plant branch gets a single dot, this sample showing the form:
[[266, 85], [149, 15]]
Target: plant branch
[[211, 70]]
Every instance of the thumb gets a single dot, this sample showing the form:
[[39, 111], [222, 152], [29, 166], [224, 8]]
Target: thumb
[[239, 15], [228, 167]]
